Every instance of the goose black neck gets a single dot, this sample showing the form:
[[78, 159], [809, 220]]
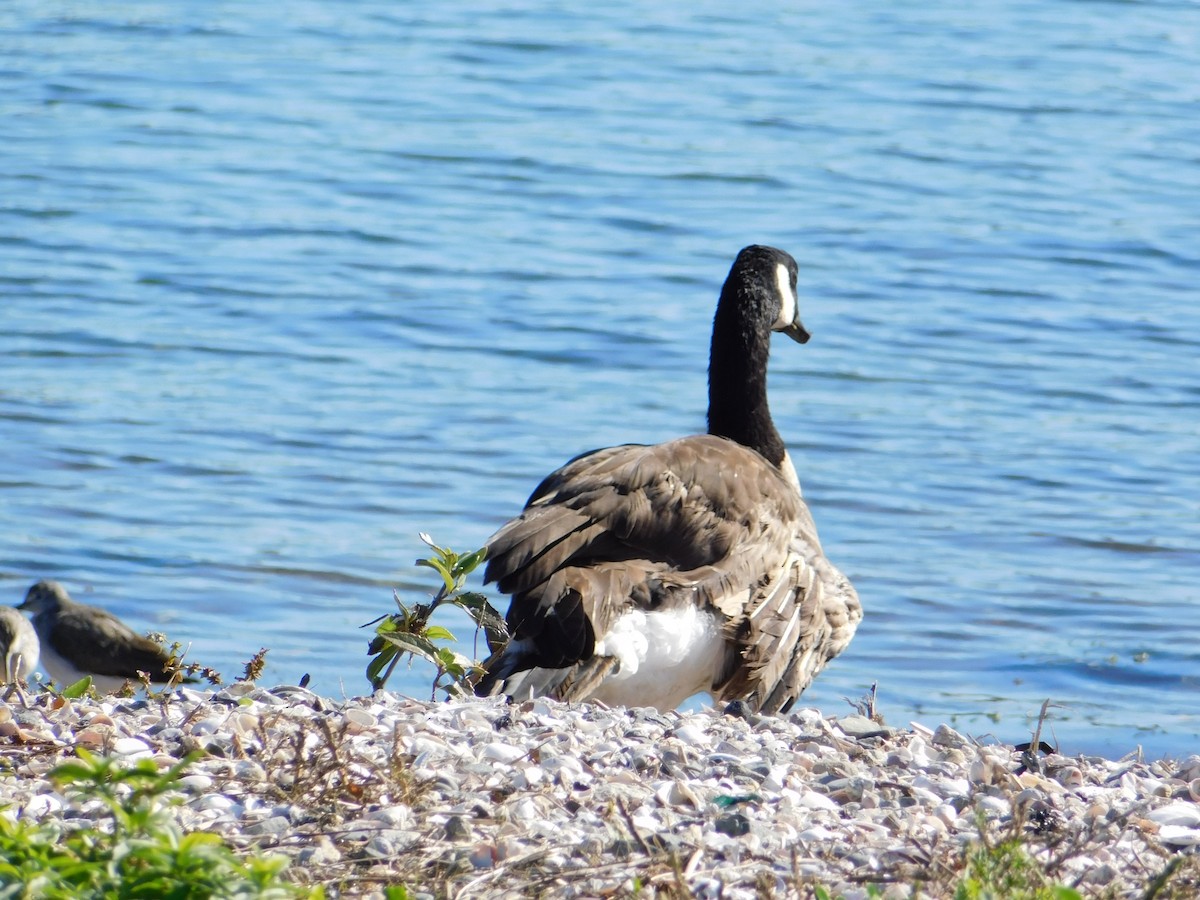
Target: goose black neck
[[737, 380]]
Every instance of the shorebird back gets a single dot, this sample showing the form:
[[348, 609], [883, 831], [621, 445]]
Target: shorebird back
[[79, 640]]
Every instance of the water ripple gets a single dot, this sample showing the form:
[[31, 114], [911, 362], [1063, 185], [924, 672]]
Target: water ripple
[[277, 294]]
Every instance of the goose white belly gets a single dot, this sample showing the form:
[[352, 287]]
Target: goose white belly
[[664, 657]]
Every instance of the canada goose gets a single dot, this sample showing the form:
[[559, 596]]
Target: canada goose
[[641, 575], [79, 640], [18, 646]]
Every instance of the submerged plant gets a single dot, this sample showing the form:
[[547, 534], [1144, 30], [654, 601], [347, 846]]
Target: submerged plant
[[408, 632]]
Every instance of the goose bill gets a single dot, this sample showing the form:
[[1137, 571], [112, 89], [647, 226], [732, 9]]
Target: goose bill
[[797, 332]]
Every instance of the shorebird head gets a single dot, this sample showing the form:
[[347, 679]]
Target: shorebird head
[[45, 597]]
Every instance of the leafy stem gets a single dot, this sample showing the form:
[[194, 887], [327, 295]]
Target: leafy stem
[[408, 632]]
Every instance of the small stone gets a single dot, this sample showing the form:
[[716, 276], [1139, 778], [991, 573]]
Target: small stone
[[860, 727], [131, 747], [947, 813], [1182, 814], [91, 738], [738, 709], [457, 829], [732, 824], [1179, 836], [817, 833], [692, 736], [42, 805], [272, 825], [321, 852], [215, 801], [389, 843], [1099, 875], [484, 856], [502, 752], [676, 793], [196, 784], [1069, 776], [396, 816], [359, 719], [945, 736]]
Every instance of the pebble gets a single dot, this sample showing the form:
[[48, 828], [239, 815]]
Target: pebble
[[743, 802], [1184, 814], [131, 747], [273, 825]]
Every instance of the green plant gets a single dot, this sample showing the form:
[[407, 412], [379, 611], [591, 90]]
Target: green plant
[[134, 849], [408, 632], [1004, 871]]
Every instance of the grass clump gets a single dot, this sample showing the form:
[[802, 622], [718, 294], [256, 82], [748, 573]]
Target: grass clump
[[1004, 871], [133, 849]]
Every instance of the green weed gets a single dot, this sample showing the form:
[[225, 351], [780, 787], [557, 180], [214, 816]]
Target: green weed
[[133, 849], [408, 632]]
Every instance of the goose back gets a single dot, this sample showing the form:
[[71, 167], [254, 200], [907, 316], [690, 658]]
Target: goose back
[[699, 521]]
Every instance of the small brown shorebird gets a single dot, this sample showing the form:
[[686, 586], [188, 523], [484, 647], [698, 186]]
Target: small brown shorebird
[[79, 640], [18, 648]]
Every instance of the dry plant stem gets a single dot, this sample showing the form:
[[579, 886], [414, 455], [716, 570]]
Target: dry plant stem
[[633, 828]]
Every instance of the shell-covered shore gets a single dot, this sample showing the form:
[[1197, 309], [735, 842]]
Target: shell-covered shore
[[487, 799]]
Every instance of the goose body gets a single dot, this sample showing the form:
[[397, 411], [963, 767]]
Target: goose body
[[641, 575], [79, 640]]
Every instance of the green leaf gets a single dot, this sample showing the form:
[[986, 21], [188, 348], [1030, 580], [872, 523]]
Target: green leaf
[[438, 633], [391, 623], [71, 771], [485, 616], [450, 664], [470, 561], [441, 569], [78, 689], [377, 665], [415, 644]]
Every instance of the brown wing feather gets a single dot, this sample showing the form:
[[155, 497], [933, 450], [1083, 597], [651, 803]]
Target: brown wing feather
[[696, 519], [796, 624], [96, 641]]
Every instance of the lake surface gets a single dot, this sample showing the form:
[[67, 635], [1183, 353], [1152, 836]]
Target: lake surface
[[282, 286]]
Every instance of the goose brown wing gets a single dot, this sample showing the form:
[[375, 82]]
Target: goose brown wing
[[698, 519], [801, 617], [98, 642]]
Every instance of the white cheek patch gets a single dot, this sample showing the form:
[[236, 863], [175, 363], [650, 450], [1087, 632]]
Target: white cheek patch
[[787, 298]]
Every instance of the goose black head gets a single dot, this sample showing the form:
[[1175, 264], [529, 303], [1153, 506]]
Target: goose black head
[[767, 276]]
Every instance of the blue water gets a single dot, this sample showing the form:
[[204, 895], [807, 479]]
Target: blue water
[[283, 285]]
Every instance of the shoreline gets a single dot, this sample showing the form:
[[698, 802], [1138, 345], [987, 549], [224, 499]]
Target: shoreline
[[480, 798]]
